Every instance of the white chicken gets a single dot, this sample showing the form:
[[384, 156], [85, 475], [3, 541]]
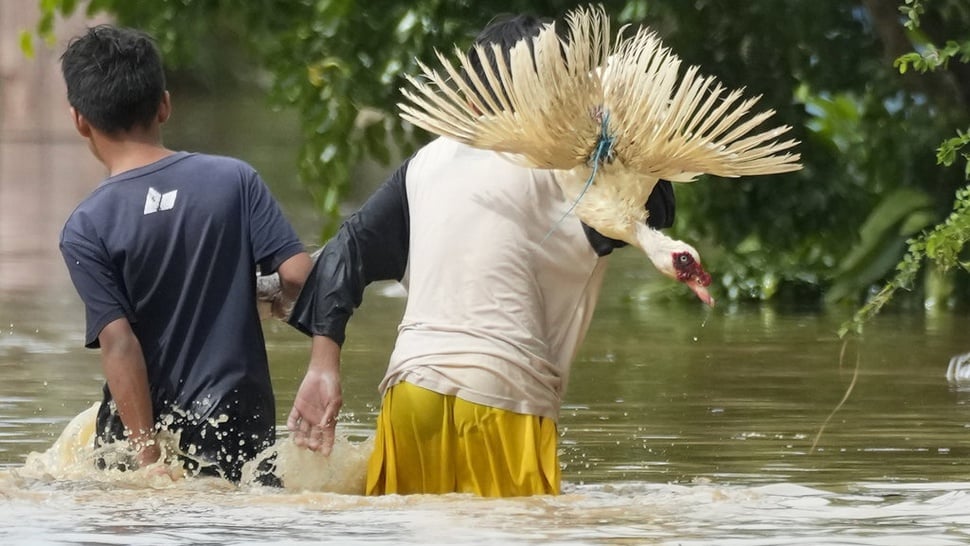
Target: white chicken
[[612, 118]]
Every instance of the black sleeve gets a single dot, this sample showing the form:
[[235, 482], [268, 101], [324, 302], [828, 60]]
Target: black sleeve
[[660, 205], [371, 245]]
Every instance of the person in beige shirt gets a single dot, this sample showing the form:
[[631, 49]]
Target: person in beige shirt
[[502, 282]]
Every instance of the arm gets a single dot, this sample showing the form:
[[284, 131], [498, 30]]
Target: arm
[[371, 245], [293, 273], [283, 262], [127, 377], [276, 293]]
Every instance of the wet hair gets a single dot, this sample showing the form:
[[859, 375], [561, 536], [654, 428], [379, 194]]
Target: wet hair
[[114, 77], [506, 31]]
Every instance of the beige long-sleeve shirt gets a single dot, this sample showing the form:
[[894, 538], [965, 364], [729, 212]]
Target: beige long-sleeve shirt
[[501, 286]]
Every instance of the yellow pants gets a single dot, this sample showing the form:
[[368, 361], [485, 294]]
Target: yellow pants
[[431, 443]]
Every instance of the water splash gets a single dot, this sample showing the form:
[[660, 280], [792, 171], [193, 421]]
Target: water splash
[[73, 457], [344, 471], [709, 312], [958, 371]]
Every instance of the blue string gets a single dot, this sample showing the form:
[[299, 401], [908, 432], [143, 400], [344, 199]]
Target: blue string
[[602, 153]]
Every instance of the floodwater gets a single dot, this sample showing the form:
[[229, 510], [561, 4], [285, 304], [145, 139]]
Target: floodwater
[[681, 425]]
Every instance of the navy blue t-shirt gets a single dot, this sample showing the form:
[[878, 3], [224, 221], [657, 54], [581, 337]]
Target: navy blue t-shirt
[[173, 247]]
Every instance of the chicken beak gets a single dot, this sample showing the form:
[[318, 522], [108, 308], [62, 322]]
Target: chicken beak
[[700, 291]]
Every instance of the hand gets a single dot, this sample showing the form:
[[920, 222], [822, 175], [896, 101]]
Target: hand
[[313, 419], [270, 298], [148, 453], [150, 461]]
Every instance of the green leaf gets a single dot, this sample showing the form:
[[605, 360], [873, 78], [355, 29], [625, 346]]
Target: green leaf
[[27, 43], [881, 241], [878, 228], [916, 222], [67, 7]]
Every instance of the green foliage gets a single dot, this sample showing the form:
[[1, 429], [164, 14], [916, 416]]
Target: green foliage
[[944, 244], [948, 151], [863, 135], [903, 212], [821, 66], [27, 44], [932, 57], [912, 9]]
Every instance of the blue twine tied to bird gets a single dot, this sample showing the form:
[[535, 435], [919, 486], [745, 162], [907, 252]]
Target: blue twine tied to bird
[[602, 153]]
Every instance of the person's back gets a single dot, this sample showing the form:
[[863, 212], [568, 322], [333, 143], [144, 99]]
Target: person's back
[[164, 255], [501, 281], [177, 233]]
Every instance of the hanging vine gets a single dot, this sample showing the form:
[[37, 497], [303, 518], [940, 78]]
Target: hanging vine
[[944, 243]]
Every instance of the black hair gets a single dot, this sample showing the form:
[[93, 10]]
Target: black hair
[[114, 77], [506, 31]]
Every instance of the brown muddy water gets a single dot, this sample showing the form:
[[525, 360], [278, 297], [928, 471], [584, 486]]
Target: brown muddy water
[[681, 426]]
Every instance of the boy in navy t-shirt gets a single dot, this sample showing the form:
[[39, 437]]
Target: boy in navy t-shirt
[[164, 254]]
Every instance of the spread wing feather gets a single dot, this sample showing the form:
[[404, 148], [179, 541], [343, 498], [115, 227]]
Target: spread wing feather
[[552, 95]]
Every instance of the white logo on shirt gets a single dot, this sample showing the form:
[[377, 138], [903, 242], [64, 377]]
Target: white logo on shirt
[[156, 200]]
